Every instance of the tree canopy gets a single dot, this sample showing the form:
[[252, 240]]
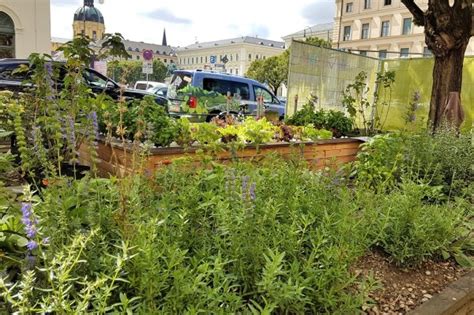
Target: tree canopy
[[316, 41], [130, 71], [272, 71]]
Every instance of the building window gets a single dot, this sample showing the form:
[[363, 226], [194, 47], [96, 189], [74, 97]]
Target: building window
[[406, 26], [387, 2], [192, 60], [231, 57], [206, 59], [349, 7], [166, 60], [7, 36], [256, 56], [427, 52], [250, 57], [237, 71], [230, 71], [385, 31], [363, 53], [236, 57], [365, 31], [347, 33], [383, 54], [94, 35], [138, 57], [404, 52], [366, 4], [172, 61]]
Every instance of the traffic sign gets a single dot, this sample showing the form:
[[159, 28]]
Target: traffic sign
[[148, 54], [213, 59], [147, 67]]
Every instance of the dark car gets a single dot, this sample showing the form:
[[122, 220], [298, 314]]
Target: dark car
[[14, 81]]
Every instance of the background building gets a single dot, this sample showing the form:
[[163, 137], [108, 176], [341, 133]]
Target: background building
[[230, 55], [322, 31], [89, 21], [24, 28], [380, 28], [166, 54]]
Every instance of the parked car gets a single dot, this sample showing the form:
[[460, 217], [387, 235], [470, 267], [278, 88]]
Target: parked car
[[282, 100], [243, 91], [146, 85], [98, 83], [160, 91]]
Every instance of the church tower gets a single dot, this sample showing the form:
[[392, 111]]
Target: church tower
[[164, 42], [88, 20]]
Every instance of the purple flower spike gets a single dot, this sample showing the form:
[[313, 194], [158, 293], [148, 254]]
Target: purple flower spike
[[30, 231], [245, 181], [72, 133], [252, 191], [30, 260], [26, 213], [31, 245], [95, 123], [46, 241]]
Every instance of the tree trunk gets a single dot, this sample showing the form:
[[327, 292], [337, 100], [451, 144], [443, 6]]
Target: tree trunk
[[448, 27], [275, 90], [447, 82]]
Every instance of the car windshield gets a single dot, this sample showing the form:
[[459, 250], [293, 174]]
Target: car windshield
[[95, 80]]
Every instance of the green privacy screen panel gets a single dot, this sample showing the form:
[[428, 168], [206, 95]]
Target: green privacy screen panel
[[415, 75], [325, 73]]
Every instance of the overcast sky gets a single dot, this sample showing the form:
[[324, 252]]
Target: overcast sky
[[203, 20]]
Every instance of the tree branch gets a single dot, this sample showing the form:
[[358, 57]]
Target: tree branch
[[418, 14]]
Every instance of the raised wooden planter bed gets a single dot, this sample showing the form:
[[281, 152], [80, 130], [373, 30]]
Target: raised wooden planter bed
[[456, 299], [115, 159]]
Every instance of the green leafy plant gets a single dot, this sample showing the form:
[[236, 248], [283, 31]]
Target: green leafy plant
[[257, 131], [442, 159], [411, 231], [335, 121], [371, 115]]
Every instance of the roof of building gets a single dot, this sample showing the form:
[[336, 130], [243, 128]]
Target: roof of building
[[318, 28], [157, 49], [238, 40], [89, 13]]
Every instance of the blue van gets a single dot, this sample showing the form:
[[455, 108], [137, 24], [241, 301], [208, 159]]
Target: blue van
[[213, 93]]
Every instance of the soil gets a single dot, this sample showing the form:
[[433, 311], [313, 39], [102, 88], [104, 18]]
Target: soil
[[403, 289]]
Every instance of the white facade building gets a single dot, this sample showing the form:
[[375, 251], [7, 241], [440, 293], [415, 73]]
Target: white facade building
[[230, 55], [380, 28], [25, 28]]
